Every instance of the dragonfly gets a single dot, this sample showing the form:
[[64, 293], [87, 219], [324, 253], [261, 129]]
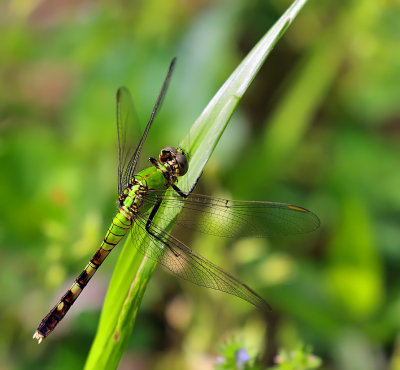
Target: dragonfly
[[142, 194]]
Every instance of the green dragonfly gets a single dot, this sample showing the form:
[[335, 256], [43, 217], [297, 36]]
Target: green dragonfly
[[142, 195]]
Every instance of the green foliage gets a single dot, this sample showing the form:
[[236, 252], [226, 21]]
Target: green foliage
[[235, 356], [298, 359], [318, 127]]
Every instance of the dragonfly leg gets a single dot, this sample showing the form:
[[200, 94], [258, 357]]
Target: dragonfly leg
[[181, 193], [153, 161], [150, 230]]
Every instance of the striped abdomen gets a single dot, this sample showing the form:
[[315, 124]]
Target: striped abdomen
[[121, 224]]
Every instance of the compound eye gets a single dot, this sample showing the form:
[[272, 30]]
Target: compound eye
[[169, 149], [167, 153], [182, 163]]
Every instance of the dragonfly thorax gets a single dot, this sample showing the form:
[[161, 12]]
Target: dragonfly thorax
[[171, 164]]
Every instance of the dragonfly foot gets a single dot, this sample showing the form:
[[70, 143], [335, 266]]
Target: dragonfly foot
[[38, 336]]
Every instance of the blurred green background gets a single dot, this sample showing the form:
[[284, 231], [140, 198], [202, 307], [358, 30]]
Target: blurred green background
[[319, 127]]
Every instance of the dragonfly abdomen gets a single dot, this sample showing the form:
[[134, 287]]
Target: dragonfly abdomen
[[120, 226]]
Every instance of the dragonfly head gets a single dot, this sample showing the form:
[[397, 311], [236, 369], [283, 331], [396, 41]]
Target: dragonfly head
[[176, 158]]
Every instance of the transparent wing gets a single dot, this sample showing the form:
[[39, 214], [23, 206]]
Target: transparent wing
[[189, 265], [230, 218], [126, 168], [128, 131]]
